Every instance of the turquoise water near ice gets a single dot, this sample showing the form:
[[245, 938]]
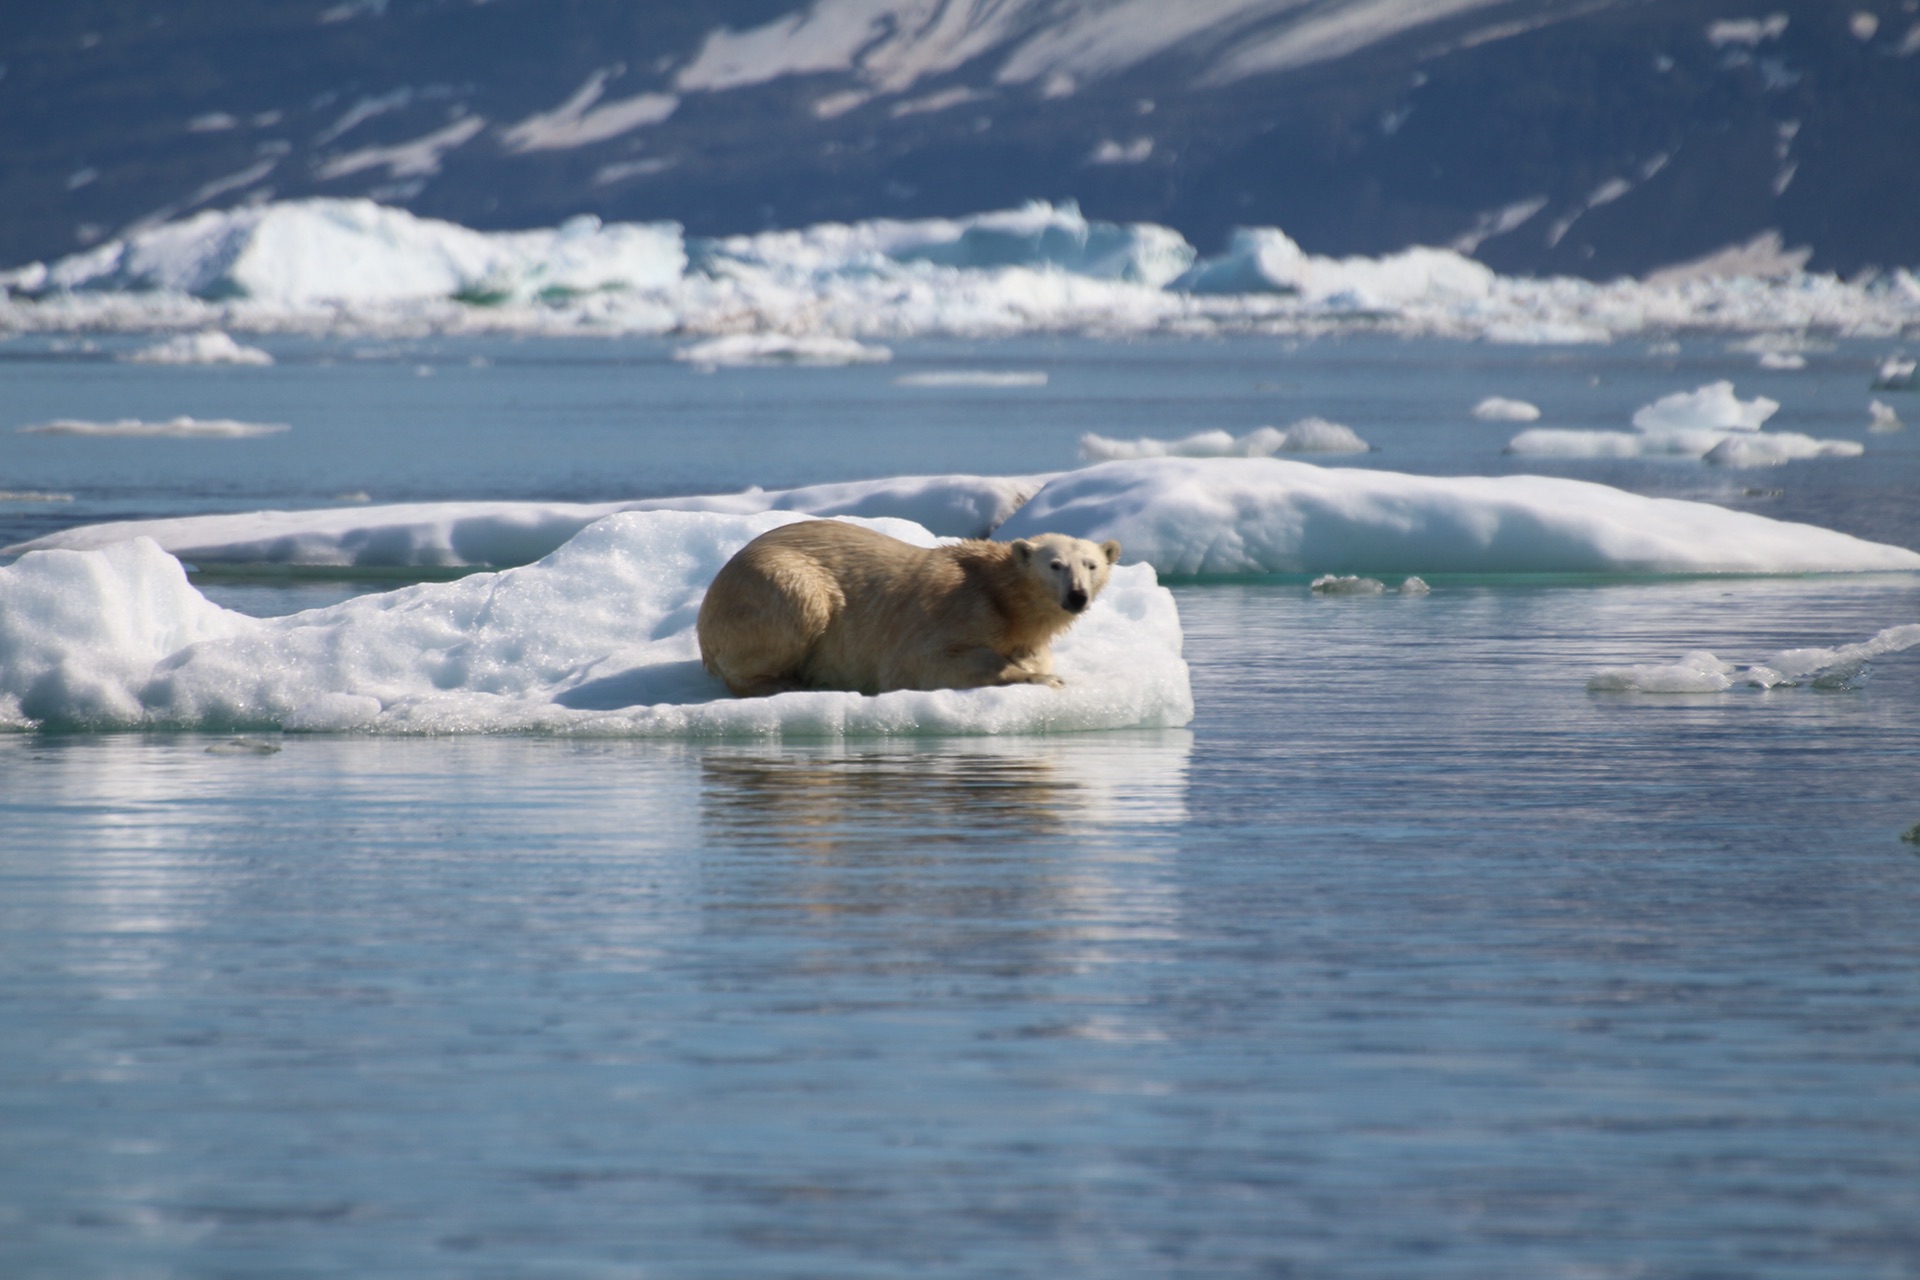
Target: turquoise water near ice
[[1409, 957]]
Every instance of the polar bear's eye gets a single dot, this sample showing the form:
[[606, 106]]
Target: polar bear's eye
[[1059, 564]]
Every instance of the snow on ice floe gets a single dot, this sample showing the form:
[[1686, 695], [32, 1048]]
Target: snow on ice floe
[[1309, 435], [1501, 409], [1710, 423], [1844, 667], [597, 638], [211, 347], [181, 428], [356, 267], [1222, 517], [451, 535]]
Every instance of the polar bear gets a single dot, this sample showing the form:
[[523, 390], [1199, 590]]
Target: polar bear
[[825, 605]]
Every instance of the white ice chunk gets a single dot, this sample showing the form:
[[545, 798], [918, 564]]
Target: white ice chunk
[[181, 428], [1309, 435], [500, 534], [1346, 584], [973, 378], [1710, 423], [1266, 260], [212, 347], [1771, 448], [1220, 516], [737, 350], [597, 638], [1501, 409], [1714, 407], [1699, 672], [1884, 420]]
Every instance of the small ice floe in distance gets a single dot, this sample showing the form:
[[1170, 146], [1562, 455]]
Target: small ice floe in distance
[[212, 347], [1844, 667], [1884, 421], [1710, 423], [969, 378], [1501, 409], [1896, 374], [1309, 435], [743, 350], [181, 428]]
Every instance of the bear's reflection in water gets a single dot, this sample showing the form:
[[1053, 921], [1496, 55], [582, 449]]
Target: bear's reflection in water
[[1020, 831]]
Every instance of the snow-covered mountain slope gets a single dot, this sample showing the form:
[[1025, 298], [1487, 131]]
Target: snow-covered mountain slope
[[1593, 137]]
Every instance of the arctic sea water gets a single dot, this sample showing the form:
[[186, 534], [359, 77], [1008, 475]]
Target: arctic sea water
[[1409, 956]]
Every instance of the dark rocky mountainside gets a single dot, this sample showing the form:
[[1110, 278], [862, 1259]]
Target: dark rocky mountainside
[[1594, 137]]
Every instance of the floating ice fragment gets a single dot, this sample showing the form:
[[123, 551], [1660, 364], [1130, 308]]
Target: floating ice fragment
[[1782, 360], [1896, 374], [743, 349], [1331, 584], [1501, 409], [181, 428], [213, 347], [1700, 672], [1714, 407], [244, 747], [1415, 587], [1885, 420], [1309, 435], [991, 378], [1710, 423]]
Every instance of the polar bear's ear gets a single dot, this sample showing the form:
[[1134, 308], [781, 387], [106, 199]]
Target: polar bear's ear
[[1112, 549], [1022, 551]]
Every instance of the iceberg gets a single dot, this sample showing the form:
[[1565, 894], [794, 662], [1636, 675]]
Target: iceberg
[[456, 535], [597, 638], [355, 267], [1207, 517], [1266, 260], [303, 252]]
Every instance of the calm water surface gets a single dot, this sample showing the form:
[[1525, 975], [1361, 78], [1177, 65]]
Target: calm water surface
[[1410, 958]]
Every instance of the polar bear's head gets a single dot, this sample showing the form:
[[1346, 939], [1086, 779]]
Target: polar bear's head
[[1072, 570]]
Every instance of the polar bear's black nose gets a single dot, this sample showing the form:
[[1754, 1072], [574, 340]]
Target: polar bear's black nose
[[1076, 600]]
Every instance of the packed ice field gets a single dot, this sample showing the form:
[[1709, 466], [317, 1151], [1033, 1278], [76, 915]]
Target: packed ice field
[[578, 618]]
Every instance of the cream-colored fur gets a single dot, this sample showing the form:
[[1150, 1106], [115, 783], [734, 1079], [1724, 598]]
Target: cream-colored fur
[[826, 605]]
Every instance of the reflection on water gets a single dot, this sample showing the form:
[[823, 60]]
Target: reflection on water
[[1411, 958]]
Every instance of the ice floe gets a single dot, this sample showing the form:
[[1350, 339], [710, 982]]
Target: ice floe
[[1228, 516], [1309, 435], [1501, 409], [451, 535], [212, 347], [597, 638], [1185, 516], [1882, 418], [1710, 423], [737, 350], [1699, 671], [351, 266], [181, 428], [994, 379]]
